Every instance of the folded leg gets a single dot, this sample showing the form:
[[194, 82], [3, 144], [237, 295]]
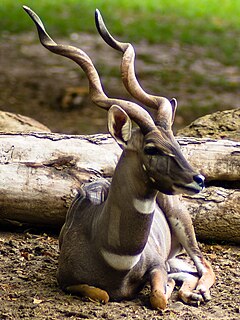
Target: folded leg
[[187, 290], [186, 274], [90, 292], [161, 289], [183, 232]]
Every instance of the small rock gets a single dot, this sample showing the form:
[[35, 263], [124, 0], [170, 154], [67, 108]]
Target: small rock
[[218, 125], [177, 305]]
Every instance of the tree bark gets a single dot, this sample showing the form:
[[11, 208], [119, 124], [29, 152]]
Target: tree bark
[[216, 214], [40, 174]]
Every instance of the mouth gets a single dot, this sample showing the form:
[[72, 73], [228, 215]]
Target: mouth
[[190, 189]]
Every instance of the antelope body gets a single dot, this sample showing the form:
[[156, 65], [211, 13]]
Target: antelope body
[[118, 236]]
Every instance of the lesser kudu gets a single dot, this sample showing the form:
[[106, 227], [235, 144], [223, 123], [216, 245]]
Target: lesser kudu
[[117, 237]]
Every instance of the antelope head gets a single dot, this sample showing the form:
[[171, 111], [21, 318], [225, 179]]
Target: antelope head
[[161, 156], [158, 154]]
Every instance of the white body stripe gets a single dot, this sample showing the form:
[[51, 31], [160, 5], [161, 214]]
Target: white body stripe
[[144, 206], [120, 262]]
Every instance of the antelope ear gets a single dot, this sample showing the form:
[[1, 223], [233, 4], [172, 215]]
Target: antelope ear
[[119, 125], [173, 102]]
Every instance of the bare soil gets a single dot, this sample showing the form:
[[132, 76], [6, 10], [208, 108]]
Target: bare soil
[[29, 290], [36, 83]]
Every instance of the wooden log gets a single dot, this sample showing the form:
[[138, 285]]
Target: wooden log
[[40, 174], [217, 160], [216, 214]]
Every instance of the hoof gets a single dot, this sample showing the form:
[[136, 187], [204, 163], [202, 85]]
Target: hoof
[[158, 300], [205, 292], [191, 297]]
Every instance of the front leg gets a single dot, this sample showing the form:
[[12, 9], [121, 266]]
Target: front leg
[[161, 288], [90, 292], [182, 229]]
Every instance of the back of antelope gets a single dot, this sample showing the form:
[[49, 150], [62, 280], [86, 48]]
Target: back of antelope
[[119, 236]]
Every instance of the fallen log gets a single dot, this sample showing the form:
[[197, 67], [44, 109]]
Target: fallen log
[[216, 214], [41, 172]]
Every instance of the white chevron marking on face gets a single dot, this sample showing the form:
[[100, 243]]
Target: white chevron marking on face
[[120, 262], [145, 206]]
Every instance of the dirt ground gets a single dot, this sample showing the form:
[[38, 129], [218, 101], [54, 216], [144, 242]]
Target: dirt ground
[[33, 82], [29, 290]]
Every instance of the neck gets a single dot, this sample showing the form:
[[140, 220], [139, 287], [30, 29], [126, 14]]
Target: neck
[[127, 216]]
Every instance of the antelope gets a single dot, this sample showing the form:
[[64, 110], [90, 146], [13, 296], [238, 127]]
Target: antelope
[[120, 235]]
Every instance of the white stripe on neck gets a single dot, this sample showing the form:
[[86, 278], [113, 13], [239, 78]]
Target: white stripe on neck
[[144, 206], [120, 262]]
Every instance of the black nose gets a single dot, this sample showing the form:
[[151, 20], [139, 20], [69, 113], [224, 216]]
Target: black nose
[[199, 179]]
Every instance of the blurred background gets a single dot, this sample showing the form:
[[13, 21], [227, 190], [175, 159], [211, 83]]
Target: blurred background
[[185, 49]]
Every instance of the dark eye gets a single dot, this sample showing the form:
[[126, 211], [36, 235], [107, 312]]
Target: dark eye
[[153, 151]]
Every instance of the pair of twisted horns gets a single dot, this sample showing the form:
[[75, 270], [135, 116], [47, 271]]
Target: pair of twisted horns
[[165, 108]]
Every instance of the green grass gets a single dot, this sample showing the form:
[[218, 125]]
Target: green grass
[[209, 23]]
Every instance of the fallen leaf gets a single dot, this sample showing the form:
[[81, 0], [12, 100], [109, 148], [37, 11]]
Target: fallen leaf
[[37, 301]]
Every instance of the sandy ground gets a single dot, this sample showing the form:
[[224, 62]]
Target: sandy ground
[[29, 290]]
